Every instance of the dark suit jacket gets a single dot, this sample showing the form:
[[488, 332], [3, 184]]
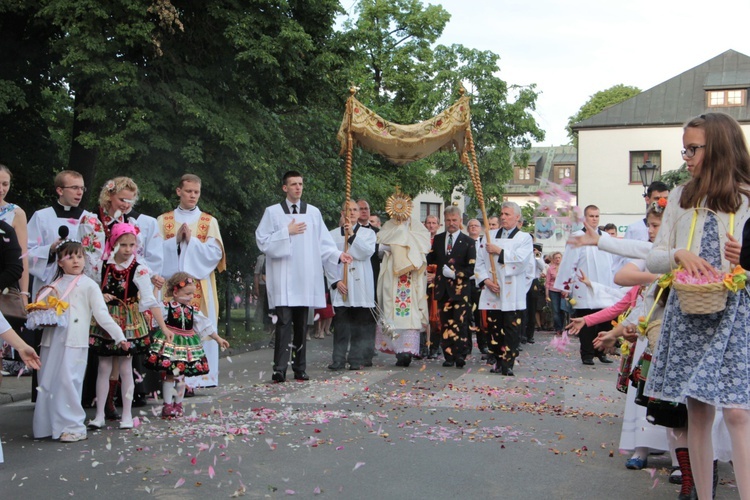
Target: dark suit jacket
[[461, 260]]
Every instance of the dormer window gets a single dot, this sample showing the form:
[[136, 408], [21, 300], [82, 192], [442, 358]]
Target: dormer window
[[726, 98]]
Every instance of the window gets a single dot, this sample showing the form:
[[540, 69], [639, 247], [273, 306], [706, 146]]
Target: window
[[726, 98], [564, 172], [525, 175], [426, 209], [638, 158]]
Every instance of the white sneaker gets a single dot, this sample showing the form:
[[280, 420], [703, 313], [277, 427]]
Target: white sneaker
[[72, 437], [95, 424]]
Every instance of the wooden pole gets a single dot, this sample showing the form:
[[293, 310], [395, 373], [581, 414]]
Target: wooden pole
[[348, 165], [472, 165]]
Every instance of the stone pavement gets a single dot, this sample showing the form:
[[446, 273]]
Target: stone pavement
[[384, 432]]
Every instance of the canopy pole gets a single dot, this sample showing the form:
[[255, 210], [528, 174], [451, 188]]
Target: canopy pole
[[473, 166], [348, 173]]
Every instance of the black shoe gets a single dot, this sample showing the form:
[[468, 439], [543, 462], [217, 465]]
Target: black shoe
[[139, 401], [460, 363], [403, 359], [355, 367], [278, 377], [448, 363], [675, 478], [367, 364], [301, 376], [189, 392], [605, 360], [484, 351], [531, 341], [716, 477], [111, 414], [589, 362], [432, 355], [508, 372], [523, 341], [496, 370], [519, 349], [335, 367]]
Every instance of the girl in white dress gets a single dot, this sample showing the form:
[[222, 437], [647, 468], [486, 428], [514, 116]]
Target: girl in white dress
[[58, 411]]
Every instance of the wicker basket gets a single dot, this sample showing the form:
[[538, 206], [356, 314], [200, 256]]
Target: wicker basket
[[701, 299], [708, 298], [42, 313]]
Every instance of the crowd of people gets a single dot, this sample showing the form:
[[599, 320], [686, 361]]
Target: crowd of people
[[115, 292], [435, 291], [114, 303]]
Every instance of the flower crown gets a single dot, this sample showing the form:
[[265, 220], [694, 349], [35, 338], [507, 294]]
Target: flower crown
[[183, 284], [658, 206]]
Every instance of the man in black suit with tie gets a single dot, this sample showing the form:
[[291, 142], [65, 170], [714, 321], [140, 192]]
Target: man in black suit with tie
[[454, 254]]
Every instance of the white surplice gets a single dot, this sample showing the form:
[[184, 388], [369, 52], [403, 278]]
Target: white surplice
[[359, 280], [199, 259], [294, 264], [514, 276], [44, 228], [599, 266]]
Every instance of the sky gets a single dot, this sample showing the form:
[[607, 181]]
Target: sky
[[574, 48]]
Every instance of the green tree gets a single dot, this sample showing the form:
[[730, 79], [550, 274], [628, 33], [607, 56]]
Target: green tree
[[406, 78], [675, 177], [599, 102]]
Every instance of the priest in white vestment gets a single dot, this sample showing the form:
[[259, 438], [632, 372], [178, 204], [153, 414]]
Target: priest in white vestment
[[193, 244], [353, 294], [45, 232], [504, 298], [297, 245], [402, 288]]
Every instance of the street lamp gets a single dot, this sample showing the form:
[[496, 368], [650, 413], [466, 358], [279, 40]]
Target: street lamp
[[648, 172]]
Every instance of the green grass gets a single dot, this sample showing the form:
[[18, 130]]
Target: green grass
[[241, 336]]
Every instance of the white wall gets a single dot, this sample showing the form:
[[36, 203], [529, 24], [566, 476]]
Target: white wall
[[604, 167], [431, 197]]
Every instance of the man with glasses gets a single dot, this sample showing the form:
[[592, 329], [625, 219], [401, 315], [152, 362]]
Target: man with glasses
[[65, 219]]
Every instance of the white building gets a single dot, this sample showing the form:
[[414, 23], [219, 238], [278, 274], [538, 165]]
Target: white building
[[614, 143]]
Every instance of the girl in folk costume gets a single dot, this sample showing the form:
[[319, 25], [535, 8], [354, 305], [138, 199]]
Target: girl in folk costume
[[116, 200], [178, 351], [402, 284], [193, 244], [124, 280], [58, 411], [703, 358]]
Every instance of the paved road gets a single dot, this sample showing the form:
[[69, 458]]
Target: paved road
[[385, 432]]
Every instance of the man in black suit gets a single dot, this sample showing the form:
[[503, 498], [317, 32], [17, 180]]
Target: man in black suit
[[369, 341], [454, 254]]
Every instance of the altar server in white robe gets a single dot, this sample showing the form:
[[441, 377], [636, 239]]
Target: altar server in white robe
[[505, 299], [297, 245], [193, 244], [44, 231], [599, 267], [352, 295]]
